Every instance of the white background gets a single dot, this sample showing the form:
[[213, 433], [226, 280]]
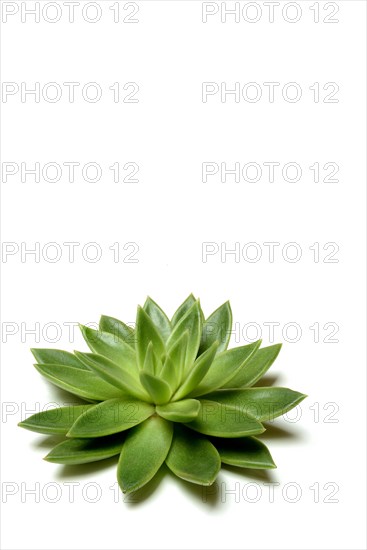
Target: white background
[[169, 133]]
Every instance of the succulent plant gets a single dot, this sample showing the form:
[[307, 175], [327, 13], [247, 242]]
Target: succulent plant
[[167, 391]]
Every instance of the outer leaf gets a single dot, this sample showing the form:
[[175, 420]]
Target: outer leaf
[[116, 375], [147, 332], [82, 451], [197, 373], [183, 309], [261, 403], [246, 452], [224, 367], [217, 328], [224, 421], [83, 383], [190, 322], [255, 368], [57, 357], [118, 329], [110, 417], [182, 411], [152, 365], [193, 457], [158, 317], [174, 364], [54, 421], [158, 389], [143, 453], [112, 347]]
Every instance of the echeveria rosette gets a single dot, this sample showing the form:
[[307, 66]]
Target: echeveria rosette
[[167, 391]]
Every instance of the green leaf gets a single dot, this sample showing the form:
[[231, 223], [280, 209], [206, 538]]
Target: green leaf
[[158, 317], [147, 332], [173, 368], [190, 322], [152, 365], [54, 421], [84, 383], [157, 388], [82, 451], [261, 403], [116, 375], [197, 373], [110, 346], [246, 452], [118, 329], [182, 411], [224, 367], [193, 458], [57, 357], [255, 368], [144, 451], [110, 417], [224, 421], [183, 309], [217, 328]]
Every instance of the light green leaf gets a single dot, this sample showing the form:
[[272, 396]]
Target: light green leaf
[[147, 332], [84, 383], [192, 457], [245, 452], [197, 373], [117, 328], [255, 368], [116, 375], [173, 368], [157, 388], [144, 451], [82, 451], [54, 421], [217, 328], [224, 367], [110, 346], [110, 417], [182, 310], [190, 322], [152, 365], [261, 403], [224, 421], [182, 411], [158, 317], [57, 357]]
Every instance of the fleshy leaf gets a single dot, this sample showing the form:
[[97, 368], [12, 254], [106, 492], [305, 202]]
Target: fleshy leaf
[[261, 403], [197, 373], [157, 388], [110, 417], [225, 366], [144, 451], [82, 451], [190, 322], [246, 452], [147, 332], [84, 383], [217, 328], [182, 411], [174, 364], [152, 365], [118, 329], [54, 421], [255, 368], [158, 317], [224, 421], [192, 457], [57, 357], [116, 375], [110, 346], [183, 309]]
